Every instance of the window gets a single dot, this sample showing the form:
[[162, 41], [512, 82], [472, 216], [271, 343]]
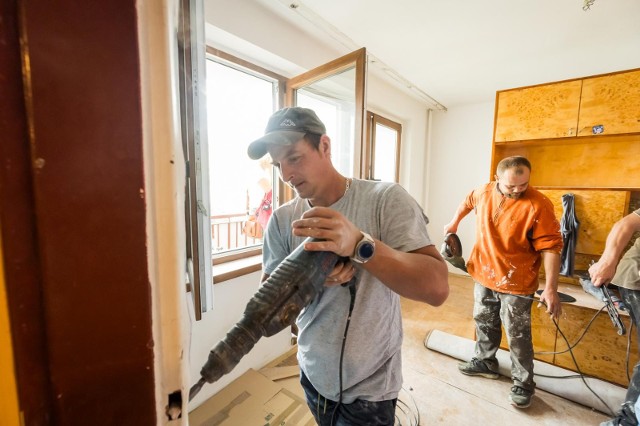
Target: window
[[384, 140], [190, 36], [333, 99], [240, 101], [225, 189], [336, 91]]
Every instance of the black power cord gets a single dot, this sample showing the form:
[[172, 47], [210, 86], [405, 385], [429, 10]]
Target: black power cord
[[629, 350], [570, 348], [352, 293]]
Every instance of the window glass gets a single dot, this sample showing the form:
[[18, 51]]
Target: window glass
[[333, 100], [239, 105], [385, 153], [383, 136]]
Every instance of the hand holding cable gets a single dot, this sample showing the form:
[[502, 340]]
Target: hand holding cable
[[549, 298]]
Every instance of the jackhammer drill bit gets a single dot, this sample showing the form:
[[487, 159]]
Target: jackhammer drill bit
[[276, 305]]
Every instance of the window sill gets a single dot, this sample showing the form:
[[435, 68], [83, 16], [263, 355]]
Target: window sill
[[236, 268]]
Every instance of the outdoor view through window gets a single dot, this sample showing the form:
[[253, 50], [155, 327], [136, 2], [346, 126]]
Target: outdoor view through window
[[239, 104], [238, 107]]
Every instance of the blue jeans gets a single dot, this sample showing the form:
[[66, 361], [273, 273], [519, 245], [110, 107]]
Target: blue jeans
[[358, 413]]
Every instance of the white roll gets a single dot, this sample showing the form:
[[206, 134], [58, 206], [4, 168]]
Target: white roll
[[573, 389]]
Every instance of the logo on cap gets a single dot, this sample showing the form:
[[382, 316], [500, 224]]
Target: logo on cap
[[287, 123]]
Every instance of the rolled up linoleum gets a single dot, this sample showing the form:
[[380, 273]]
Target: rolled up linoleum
[[573, 389]]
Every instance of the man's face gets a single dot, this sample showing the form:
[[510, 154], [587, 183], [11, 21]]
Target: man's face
[[301, 166], [512, 184]]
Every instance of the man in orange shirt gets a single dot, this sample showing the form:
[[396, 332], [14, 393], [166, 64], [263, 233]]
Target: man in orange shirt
[[516, 230]]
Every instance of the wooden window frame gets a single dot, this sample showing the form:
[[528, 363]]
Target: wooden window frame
[[372, 120], [248, 259]]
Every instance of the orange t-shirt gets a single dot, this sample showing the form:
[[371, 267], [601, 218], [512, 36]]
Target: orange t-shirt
[[510, 235]]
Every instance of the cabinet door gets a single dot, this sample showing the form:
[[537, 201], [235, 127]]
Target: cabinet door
[[610, 104], [540, 112]]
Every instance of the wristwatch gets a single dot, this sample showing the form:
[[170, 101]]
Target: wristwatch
[[365, 249]]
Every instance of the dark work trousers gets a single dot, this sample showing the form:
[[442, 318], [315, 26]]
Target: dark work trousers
[[631, 299], [490, 309], [358, 413]]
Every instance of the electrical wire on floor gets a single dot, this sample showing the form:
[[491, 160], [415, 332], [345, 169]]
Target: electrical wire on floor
[[407, 413], [580, 374]]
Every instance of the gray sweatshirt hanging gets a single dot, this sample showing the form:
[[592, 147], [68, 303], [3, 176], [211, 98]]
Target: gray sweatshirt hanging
[[569, 225]]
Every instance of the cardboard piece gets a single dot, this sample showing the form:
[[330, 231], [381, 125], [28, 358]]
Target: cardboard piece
[[253, 400]]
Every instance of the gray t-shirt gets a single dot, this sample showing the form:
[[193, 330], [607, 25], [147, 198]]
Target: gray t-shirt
[[372, 367], [627, 271]]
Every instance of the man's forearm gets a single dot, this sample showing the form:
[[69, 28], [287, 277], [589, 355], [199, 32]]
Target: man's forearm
[[618, 238], [460, 214], [552, 269], [421, 275]]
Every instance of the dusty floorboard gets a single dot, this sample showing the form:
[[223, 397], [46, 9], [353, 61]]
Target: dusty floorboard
[[437, 393], [444, 396]]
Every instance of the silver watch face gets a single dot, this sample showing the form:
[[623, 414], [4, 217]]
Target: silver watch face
[[365, 250]]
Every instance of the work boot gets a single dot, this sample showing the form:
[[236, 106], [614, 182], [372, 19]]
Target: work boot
[[626, 417], [477, 367], [520, 397]]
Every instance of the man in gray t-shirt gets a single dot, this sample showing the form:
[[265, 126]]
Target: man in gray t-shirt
[[380, 232], [624, 273]]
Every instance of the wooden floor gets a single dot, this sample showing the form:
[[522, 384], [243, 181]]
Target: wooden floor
[[435, 392], [444, 396]]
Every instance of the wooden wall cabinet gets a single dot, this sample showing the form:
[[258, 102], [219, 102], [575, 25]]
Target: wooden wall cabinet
[[582, 133], [538, 112], [594, 106], [611, 101], [582, 162]]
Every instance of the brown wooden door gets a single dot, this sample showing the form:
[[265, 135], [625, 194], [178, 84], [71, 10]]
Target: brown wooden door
[[73, 213]]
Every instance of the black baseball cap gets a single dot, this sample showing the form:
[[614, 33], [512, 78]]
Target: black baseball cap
[[286, 127]]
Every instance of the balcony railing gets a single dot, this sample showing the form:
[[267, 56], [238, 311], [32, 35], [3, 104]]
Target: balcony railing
[[226, 233]]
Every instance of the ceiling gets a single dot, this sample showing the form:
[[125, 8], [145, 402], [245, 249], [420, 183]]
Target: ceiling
[[462, 52]]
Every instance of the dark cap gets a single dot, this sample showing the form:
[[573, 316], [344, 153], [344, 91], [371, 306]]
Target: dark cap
[[286, 127]]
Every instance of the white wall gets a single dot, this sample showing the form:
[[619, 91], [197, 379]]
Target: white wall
[[460, 160], [385, 100], [164, 195], [260, 31]]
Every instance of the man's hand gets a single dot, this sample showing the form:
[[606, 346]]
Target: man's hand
[[450, 228], [602, 272], [341, 274], [552, 300], [339, 235]]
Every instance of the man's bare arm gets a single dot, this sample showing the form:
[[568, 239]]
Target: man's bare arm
[[603, 271]]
